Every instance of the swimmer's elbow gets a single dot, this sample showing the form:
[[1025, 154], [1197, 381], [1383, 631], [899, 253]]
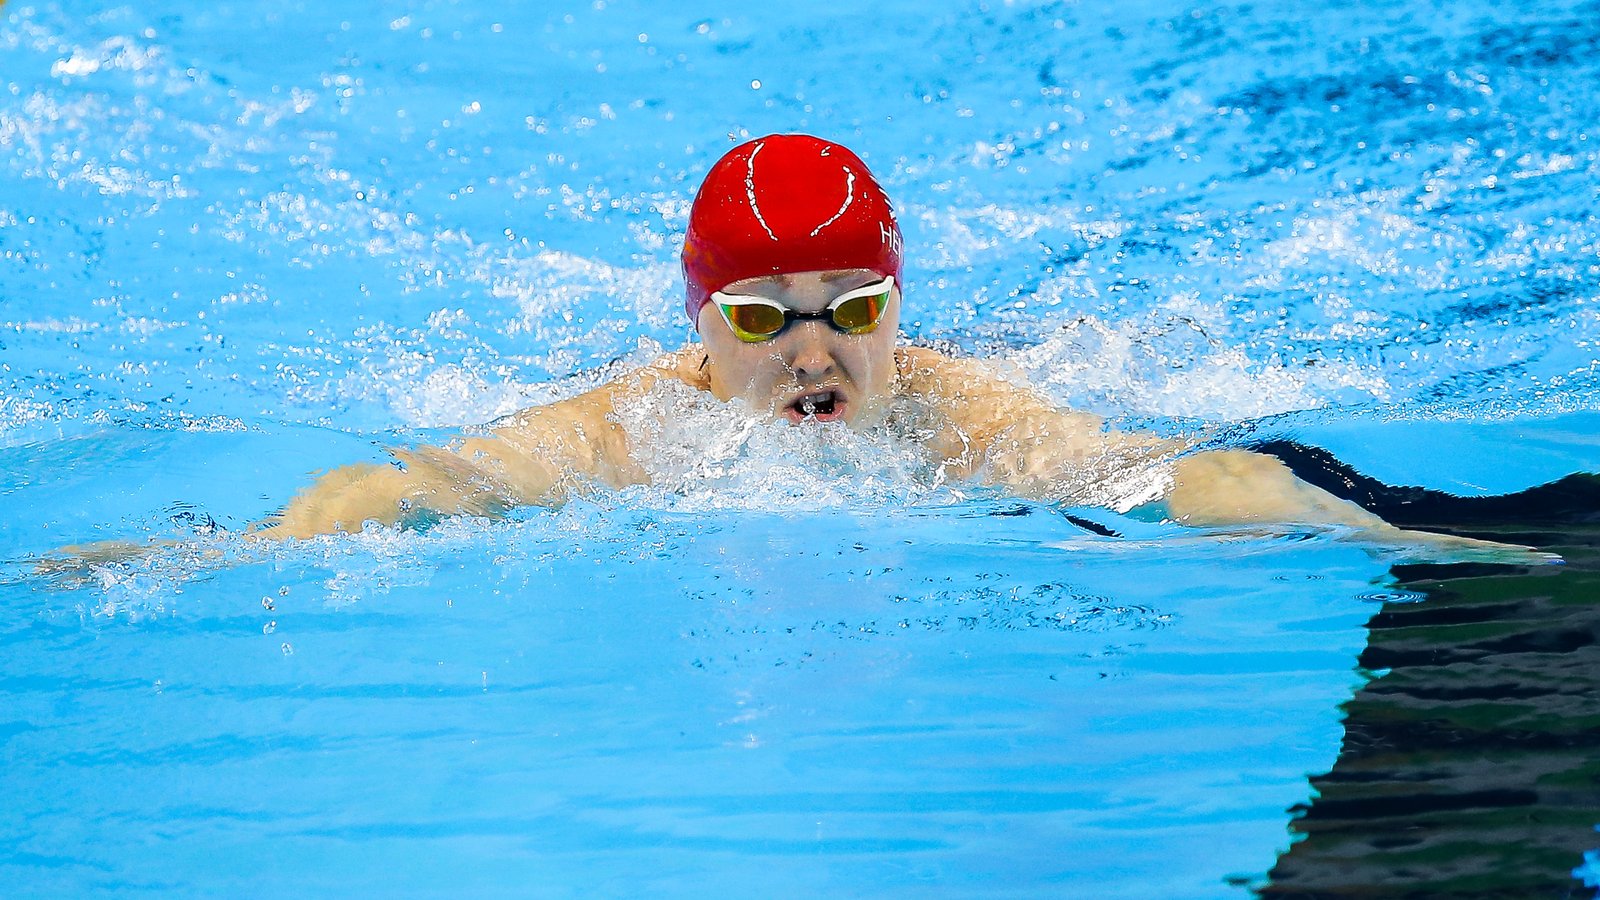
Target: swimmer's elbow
[[1232, 487], [351, 497]]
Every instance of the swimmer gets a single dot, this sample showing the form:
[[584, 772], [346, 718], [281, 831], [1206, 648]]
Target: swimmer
[[793, 268]]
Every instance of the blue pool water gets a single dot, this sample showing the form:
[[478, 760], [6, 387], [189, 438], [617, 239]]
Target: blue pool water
[[240, 243]]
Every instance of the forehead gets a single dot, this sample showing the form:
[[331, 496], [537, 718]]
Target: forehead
[[791, 280]]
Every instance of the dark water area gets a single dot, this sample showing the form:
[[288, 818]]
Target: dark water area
[[1470, 766]]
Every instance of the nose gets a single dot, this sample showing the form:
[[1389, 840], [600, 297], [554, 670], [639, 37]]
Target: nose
[[809, 356]]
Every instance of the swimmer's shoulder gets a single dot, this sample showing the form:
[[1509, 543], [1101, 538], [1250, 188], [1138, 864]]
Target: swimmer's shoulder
[[982, 394], [908, 359], [686, 364], [924, 370]]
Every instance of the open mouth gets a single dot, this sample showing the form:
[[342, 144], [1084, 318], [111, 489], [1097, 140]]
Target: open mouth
[[823, 406]]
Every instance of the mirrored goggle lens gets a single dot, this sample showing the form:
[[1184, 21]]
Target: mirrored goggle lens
[[859, 315], [753, 321]]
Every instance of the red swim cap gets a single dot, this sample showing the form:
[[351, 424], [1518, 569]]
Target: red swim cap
[[786, 203]]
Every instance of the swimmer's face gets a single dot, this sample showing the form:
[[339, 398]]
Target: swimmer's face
[[810, 371]]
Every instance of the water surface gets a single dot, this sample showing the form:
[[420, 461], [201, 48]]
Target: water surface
[[240, 243]]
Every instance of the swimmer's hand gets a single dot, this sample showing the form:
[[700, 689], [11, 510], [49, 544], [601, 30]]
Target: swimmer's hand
[[1431, 547], [78, 561]]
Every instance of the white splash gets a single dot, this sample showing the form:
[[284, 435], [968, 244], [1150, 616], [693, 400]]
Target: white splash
[[1168, 363], [701, 453], [553, 289]]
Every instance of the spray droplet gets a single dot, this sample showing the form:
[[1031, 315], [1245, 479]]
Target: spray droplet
[[266, 603], [288, 649], [269, 628]]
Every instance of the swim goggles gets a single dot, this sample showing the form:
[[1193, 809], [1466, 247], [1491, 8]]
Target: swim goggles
[[757, 319]]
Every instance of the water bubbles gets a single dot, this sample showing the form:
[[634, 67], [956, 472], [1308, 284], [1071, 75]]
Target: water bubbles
[[1393, 595], [286, 649], [75, 65], [702, 453], [1168, 364]]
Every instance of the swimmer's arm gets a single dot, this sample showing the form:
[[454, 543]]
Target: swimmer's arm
[[485, 476], [1013, 436], [1236, 487], [534, 457], [433, 480], [1009, 435], [423, 482], [1018, 438]]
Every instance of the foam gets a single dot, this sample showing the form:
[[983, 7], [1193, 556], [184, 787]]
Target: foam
[[1342, 238], [1167, 363], [398, 370], [966, 235], [23, 419], [18, 413], [701, 453], [553, 287], [579, 318], [422, 393]]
